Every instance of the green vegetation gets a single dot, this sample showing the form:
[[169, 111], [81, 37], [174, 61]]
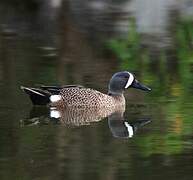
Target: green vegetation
[[127, 50], [171, 81]]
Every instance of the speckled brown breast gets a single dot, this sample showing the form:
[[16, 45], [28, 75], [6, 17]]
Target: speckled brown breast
[[85, 97]]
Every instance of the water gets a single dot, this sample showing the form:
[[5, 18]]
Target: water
[[70, 42]]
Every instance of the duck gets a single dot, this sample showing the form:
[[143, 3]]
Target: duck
[[80, 96]]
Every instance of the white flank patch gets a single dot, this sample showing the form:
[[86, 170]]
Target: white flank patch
[[55, 98], [54, 114], [130, 80], [129, 129]]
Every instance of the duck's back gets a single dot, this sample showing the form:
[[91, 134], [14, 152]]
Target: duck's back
[[84, 97]]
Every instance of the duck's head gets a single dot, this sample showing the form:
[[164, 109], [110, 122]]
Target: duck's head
[[121, 81]]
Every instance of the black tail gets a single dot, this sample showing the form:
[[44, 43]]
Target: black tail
[[37, 96]]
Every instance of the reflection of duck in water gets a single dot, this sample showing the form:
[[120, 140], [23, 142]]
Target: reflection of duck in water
[[72, 116], [86, 116], [123, 129], [82, 116], [78, 96]]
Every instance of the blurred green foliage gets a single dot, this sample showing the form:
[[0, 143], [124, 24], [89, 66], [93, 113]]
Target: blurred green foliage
[[184, 43], [172, 85], [127, 50]]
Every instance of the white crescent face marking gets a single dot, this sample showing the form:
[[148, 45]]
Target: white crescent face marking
[[55, 98], [130, 80], [129, 129]]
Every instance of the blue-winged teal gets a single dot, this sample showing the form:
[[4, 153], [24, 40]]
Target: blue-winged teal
[[78, 96]]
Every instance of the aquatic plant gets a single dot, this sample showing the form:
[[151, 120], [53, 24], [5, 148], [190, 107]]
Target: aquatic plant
[[172, 86]]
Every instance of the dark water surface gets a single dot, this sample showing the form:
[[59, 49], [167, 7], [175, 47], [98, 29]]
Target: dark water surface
[[74, 42]]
